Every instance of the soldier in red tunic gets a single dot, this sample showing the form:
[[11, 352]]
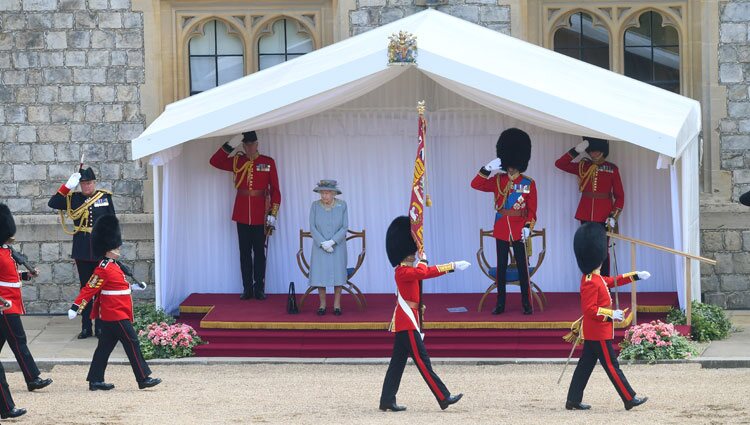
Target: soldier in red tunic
[[256, 180], [597, 327], [11, 327], [515, 209], [407, 317], [602, 196], [113, 307]]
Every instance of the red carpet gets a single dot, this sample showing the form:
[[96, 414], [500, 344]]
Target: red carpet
[[253, 328]]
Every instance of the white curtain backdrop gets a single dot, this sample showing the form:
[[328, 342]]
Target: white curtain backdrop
[[369, 145]]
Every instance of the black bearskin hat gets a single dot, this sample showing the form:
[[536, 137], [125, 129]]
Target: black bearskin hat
[[745, 199], [249, 136], [105, 236], [514, 149], [595, 144], [87, 174], [590, 246], [399, 243], [7, 224]]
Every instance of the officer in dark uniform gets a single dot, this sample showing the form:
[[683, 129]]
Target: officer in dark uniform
[[256, 206], [84, 208], [597, 324]]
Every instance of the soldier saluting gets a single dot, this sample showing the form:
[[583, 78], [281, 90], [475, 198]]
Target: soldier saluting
[[84, 208], [255, 179], [602, 195]]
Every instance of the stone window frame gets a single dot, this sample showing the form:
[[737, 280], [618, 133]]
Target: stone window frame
[[617, 18]]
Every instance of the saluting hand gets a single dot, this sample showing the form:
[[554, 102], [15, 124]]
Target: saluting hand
[[581, 147], [73, 181], [235, 141], [493, 165]]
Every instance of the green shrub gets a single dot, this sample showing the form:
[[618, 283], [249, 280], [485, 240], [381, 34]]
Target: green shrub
[[709, 322], [146, 314], [655, 341]]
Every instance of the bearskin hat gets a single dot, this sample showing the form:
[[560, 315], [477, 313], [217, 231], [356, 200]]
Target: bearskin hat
[[87, 174], [745, 199], [105, 236], [595, 144], [399, 243], [249, 136], [590, 246], [514, 149], [7, 224]]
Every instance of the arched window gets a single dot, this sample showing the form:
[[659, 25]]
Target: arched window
[[287, 40], [652, 53], [215, 57], [584, 41]]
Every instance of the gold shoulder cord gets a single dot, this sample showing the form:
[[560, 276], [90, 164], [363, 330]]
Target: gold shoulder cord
[[241, 170], [585, 176], [81, 213]]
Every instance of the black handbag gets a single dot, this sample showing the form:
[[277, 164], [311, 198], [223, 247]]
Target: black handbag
[[291, 301]]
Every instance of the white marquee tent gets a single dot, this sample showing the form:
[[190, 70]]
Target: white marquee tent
[[341, 112]]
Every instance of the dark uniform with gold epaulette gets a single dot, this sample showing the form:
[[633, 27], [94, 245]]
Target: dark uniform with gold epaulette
[[84, 211]]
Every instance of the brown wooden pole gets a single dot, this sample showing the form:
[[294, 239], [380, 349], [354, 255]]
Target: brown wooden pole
[[688, 292], [633, 292]]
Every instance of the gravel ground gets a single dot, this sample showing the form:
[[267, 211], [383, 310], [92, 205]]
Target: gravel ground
[[343, 394]]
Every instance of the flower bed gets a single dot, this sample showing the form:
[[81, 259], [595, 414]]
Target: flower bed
[[655, 341], [165, 341]]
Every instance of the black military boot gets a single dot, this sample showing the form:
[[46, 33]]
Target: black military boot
[[12, 413], [499, 309], [38, 383], [452, 399], [635, 401]]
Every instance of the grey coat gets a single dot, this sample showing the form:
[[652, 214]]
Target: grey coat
[[328, 224]]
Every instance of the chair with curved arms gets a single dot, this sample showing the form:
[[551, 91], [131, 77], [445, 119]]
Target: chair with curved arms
[[349, 287], [512, 275]]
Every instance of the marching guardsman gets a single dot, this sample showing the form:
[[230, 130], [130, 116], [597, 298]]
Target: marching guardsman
[[11, 327], [84, 208], [602, 196], [597, 326], [515, 209], [256, 180], [113, 307], [407, 318]]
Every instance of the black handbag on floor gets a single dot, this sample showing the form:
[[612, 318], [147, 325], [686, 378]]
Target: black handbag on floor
[[291, 301]]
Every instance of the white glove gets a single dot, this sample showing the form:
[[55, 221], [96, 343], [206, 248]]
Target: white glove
[[138, 286], [643, 275], [525, 233], [581, 147], [10, 304], [610, 222], [423, 256], [493, 165], [235, 141], [461, 265], [73, 181], [327, 245], [328, 250], [618, 315], [72, 314], [270, 220]]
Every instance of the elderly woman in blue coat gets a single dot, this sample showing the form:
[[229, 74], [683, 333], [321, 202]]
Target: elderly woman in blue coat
[[328, 225]]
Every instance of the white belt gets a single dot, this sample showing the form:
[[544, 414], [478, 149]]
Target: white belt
[[11, 284], [122, 292]]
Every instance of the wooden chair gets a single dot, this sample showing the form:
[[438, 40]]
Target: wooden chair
[[512, 275], [349, 287]]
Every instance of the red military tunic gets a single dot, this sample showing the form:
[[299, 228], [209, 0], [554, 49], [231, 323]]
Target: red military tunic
[[254, 177], [113, 302], [596, 304], [407, 281], [600, 186], [515, 202], [10, 282]]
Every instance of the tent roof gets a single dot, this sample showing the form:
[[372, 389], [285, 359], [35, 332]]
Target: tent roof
[[500, 72]]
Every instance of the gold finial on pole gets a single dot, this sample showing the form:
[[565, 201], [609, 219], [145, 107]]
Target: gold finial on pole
[[420, 107]]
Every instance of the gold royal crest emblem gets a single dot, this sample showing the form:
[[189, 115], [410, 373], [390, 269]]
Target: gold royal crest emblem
[[402, 48]]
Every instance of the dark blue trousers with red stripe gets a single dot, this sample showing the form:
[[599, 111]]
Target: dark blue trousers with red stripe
[[409, 343], [11, 330], [606, 355], [113, 331], [6, 400]]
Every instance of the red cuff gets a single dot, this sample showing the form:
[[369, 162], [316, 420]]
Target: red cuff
[[63, 190]]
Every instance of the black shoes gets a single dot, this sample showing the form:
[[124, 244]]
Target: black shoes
[[337, 312], [149, 382], [245, 296], [84, 334], [527, 310], [260, 295], [577, 406], [392, 407], [499, 309], [103, 386], [38, 383], [636, 401], [452, 399], [321, 311], [13, 413]]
